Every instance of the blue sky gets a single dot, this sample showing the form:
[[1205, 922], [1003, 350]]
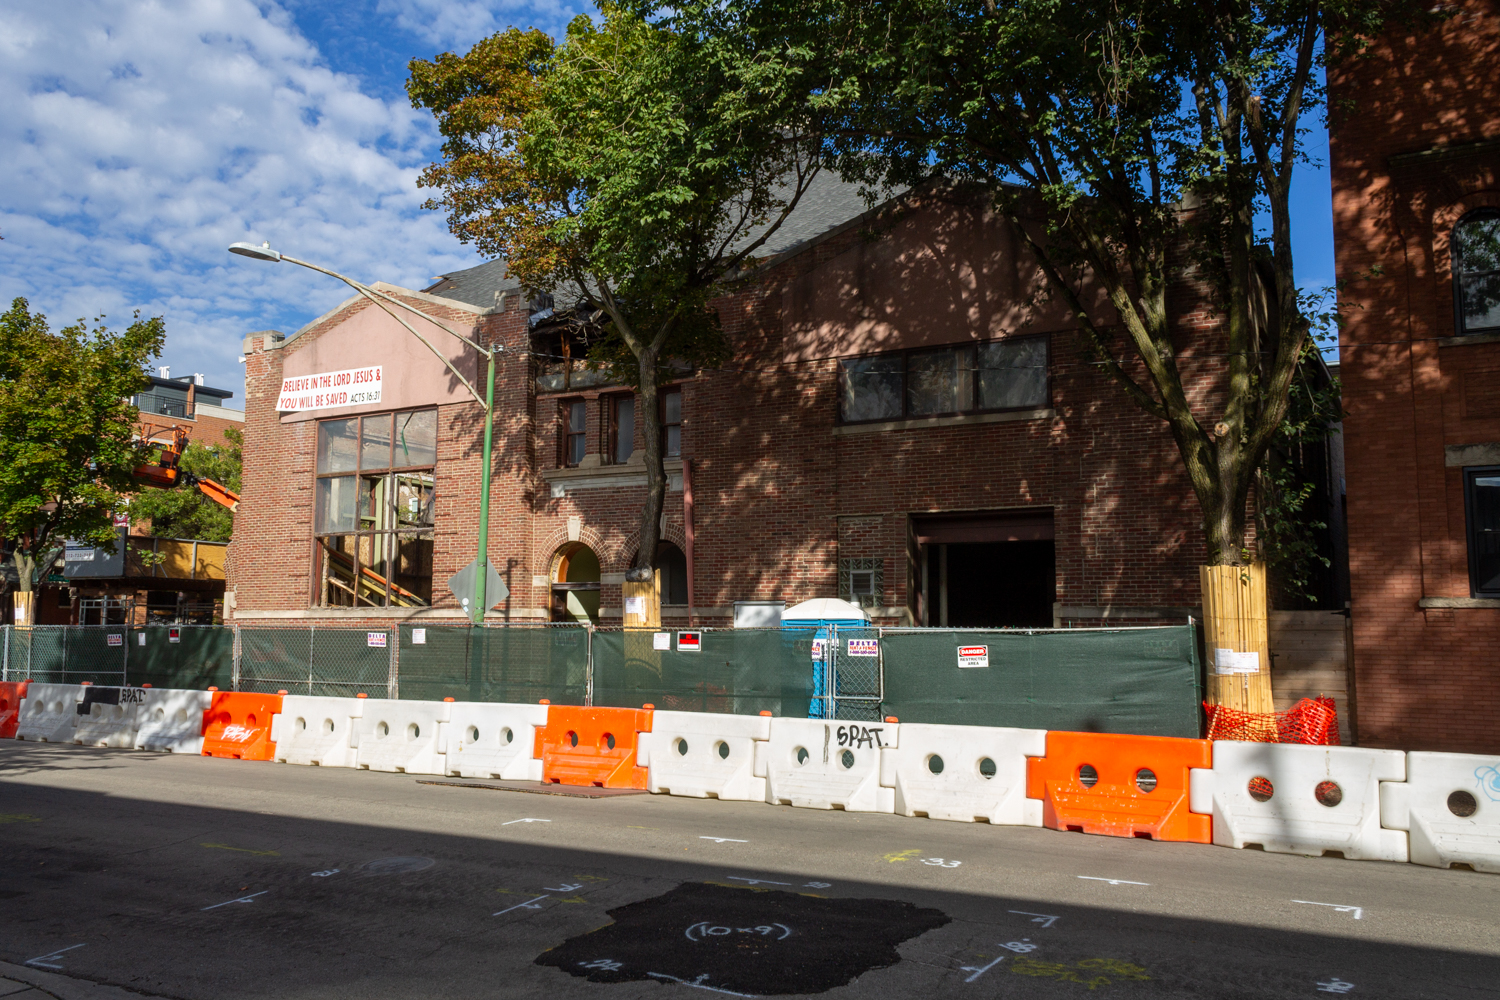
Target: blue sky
[[138, 138]]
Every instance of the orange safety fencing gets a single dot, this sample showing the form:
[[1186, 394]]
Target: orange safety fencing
[[238, 724], [592, 746], [1120, 786], [1311, 720], [11, 695]]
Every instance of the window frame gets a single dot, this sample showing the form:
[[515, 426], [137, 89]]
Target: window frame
[[1471, 527], [1456, 263], [566, 433], [973, 346], [386, 540], [661, 413], [611, 434]]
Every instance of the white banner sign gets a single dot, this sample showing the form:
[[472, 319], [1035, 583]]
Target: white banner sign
[[350, 387], [1227, 661]]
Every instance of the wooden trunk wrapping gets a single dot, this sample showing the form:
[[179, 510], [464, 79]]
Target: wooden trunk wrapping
[[24, 603], [1234, 618], [640, 629], [650, 593]]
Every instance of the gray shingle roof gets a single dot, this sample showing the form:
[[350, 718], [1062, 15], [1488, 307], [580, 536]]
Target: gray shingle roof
[[478, 286]]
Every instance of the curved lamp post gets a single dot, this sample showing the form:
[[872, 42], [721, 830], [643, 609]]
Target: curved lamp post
[[384, 302]]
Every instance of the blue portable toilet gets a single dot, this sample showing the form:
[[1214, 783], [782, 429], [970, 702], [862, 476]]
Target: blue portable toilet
[[818, 615]]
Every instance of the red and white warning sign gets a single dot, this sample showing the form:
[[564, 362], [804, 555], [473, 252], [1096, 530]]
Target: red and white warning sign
[[350, 387], [973, 656], [864, 647], [689, 642], [174, 635]]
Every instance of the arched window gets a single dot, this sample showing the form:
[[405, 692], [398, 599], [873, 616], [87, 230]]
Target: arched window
[[1476, 271]]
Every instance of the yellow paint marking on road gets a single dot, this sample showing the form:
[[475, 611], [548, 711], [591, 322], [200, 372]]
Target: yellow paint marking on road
[[242, 850], [903, 855], [19, 818]]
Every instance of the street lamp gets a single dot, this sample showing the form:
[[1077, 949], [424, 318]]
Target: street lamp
[[384, 303]]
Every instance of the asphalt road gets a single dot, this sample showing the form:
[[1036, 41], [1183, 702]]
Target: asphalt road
[[218, 880]]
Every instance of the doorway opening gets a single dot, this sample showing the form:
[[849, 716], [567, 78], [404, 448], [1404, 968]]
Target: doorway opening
[[985, 570], [575, 584]]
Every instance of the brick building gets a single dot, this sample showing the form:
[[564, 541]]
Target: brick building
[[904, 422], [1415, 156]]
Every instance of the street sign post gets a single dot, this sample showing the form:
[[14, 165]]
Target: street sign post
[[465, 587]]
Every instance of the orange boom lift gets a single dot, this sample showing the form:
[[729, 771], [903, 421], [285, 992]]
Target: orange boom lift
[[167, 473]]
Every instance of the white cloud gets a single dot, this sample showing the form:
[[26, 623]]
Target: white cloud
[[460, 23], [138, 138]]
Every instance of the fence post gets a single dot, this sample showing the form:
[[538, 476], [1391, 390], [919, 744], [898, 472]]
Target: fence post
[[832, 674], [393, 679], [311, 630], [5, 663], [235, 653], [125, 655], [588, 668], [880, 673]]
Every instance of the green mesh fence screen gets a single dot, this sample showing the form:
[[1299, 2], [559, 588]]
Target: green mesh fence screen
[[1141, 681], [513, 663], [186, 657], [339, 662], [68, 654], [735, 672]]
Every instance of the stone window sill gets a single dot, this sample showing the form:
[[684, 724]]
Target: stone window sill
[[962, 420], [1458, 602], [598, 477]]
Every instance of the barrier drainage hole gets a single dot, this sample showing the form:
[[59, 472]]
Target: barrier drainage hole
[[572, 738], [1261, 789], [506, 736], [744, 943], [1328, 793], [383, 729], [1087, 776], [1462, 804], [682, 747], [473, 734], [987, 768], [723, 749], [413, 732], [935, 764], [609, 740], [801, 754], [847, 758], [1145, 780], [301, 725]]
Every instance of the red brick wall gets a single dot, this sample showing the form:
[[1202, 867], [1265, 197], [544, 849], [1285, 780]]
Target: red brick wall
[[1427, 678]]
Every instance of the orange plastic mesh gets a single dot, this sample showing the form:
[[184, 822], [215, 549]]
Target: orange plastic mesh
[[1311, 720]]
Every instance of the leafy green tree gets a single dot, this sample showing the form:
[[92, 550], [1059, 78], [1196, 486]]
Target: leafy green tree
[[183, 511], [1140, 142], [632, 168], [67, 430]]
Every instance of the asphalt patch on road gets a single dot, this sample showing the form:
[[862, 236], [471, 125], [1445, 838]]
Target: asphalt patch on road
[[744, 941]]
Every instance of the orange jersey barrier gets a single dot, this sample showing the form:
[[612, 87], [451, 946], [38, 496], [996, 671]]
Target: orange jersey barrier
[[11, 693], [238, 724], [1120, 786], [592, 746]]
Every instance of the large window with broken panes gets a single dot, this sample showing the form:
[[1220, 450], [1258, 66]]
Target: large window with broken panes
[[373, 510], [1009, 374]]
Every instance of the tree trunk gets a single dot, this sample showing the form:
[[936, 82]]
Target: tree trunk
[[25, 569], [1235, 637], [656, 480]]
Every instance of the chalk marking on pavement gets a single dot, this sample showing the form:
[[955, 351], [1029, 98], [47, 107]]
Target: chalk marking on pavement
[[242, 899], [725, 840], [1045, 919], [1112, 881], [19, 818], [242, 850], [565, 887], [528, 905], [941, 862], [903, 855], [1358, 911], [526, 820], [760, 881], [980, 970], [698, 984], [45, 961], [1337, 985], [325, 874]]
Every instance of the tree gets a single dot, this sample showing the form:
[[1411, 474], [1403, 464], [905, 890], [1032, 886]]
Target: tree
[[184, 512], [67, 430], [1136, 142], [632, 168]]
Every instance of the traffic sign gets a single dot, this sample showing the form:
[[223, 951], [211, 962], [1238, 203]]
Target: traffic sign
[[465, 584]]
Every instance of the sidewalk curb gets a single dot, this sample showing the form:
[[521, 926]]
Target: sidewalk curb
[[67, 988]]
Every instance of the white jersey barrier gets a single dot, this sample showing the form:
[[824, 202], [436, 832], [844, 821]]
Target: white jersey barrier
[[409, 736], [107, 716], [171, 720], [49, 712], [316, 730], [964, 773], [494, 740], [702, 755], [1295, 799], [1450, 804], [813, 764]]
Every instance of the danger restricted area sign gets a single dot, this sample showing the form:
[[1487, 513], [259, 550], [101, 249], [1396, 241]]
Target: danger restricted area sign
[[973, 656]]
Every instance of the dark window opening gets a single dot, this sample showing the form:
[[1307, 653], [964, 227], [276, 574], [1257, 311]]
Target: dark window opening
[[573, 434], [1482, 506], [1476, 271], [620, 441], [1009, 374], [671, 567], [671, 423]]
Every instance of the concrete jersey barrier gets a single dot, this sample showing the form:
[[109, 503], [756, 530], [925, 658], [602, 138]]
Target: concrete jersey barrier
[[494, 740], [1450, 807], [702, 755], [171, 720], [964, 773], [314, 730], [108, 716], [49, 713], [817, 764], [407, 736], [1295, 799]]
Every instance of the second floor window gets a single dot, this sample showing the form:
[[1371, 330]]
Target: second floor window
[[1476, 271], [620, 439], [671, 423], [574, 431], [1008, 374]]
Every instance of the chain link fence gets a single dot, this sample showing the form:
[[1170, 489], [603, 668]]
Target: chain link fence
[[1144, 680]]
